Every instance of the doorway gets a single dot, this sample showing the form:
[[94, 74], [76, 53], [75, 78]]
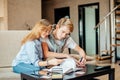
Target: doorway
[[88, 18], [60, 13]]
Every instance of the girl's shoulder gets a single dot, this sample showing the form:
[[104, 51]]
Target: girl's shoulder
[[36, 41], [30, 43]]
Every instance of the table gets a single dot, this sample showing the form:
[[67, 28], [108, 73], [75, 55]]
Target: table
[[89, 73]]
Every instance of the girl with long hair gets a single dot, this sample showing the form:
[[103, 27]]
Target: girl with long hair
[[30, 56]]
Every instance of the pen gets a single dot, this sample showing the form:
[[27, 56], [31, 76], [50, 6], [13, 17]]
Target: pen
[[81, 59]]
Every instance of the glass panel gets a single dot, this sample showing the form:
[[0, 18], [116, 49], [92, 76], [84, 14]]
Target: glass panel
[[89, 30], [88, 37]]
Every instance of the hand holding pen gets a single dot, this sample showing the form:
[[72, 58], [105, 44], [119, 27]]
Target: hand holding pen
[[82, 61]]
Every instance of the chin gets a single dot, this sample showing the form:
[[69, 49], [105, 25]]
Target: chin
[[43, 37], [59, 38]]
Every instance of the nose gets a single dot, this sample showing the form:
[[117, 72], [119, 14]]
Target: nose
[[64, 35]]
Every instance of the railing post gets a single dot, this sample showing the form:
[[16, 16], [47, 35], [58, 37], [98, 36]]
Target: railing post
[[99, 42], [106, 36], [113, 35]]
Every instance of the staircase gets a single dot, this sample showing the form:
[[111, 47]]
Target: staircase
[[117, 29], [110, 26]]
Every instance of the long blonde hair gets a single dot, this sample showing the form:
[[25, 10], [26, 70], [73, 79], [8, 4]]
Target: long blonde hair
[[66, 22], [35, 33]]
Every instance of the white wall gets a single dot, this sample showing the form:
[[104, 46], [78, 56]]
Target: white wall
[[10, 43]]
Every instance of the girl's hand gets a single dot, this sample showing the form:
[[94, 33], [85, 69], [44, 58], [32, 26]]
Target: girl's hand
[[55, 61]]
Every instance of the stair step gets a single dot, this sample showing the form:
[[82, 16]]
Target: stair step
[[117, 12], [117, 15], [117, 18], [117, 21], [115, 45], [118, 31], [100, 58], [117, 38], [117, 25]]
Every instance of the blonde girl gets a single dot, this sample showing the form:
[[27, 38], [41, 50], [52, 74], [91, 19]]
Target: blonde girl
[[30, 57]]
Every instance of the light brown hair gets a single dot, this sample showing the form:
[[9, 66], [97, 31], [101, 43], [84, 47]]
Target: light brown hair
[[35, 33], [66, 22]]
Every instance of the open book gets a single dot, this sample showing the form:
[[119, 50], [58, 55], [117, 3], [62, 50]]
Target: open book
[[67, 66], [59, 69]]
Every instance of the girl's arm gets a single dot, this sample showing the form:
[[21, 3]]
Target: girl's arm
[[34, 57], [50, 62], [48, 53]]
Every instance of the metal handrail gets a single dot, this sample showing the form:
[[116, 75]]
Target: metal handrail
[[106, 16]]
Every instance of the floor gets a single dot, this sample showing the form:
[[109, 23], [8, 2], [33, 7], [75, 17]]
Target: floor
[[113, 65]]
